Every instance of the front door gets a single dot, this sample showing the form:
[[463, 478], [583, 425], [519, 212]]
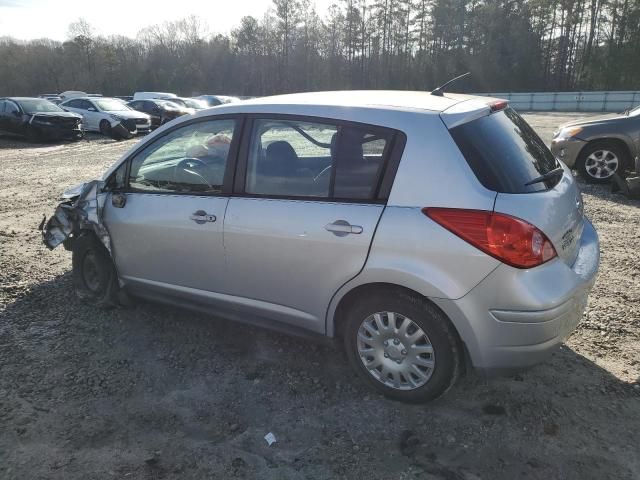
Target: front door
[[167, 233], [306, 216]]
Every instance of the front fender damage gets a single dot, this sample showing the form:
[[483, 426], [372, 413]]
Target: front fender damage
[[81, 209], [120, 132]]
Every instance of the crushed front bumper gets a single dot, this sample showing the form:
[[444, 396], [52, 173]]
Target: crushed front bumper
[[55, 133], [81, 210]]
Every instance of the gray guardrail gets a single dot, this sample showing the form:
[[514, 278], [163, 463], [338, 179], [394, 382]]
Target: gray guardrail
[[570, 101]]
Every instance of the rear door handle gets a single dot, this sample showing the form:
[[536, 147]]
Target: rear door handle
[[201, 217], [340, 228]]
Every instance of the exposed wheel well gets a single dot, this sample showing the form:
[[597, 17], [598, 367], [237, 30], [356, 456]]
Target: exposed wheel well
[[371, 289], [611, 141]]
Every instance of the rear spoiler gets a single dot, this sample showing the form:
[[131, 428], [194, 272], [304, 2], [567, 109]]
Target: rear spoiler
[[471, 109]]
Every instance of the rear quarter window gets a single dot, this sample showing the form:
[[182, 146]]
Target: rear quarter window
[[505, 153]]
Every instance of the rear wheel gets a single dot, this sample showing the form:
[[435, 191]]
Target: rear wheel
[[403, 346], [94, 277], [599, 161], [105, 128]]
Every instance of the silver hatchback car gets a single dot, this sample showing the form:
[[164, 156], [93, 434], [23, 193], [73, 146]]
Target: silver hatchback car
[[425, 231]]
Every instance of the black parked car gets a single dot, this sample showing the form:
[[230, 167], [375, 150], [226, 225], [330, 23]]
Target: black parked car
[[160, 111], [37, 118]]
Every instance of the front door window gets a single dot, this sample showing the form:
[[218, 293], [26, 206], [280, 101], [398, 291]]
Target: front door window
[[191, 159]]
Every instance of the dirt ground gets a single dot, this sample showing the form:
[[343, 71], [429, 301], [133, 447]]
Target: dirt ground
[[156, 392]]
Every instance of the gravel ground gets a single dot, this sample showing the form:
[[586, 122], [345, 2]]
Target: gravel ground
[[156, 392]]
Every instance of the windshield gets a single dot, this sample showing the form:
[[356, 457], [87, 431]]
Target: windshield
[[169, 105], [177, 101], [505, 153], [634, 111], [193, 103], [111, 105], [38, 105]]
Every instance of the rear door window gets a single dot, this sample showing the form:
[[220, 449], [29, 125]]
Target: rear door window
[[11, 108], [321, 160], [505, 153]]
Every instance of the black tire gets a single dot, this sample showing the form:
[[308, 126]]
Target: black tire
[[105, 128], [95, 280], [591, 174], [446, 345]]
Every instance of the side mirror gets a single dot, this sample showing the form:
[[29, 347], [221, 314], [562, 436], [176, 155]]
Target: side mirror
[[16, 114], [91, 109], [118, 200]]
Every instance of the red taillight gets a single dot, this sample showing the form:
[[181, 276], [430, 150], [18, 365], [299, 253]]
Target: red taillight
[[509, 239], [498, 105]]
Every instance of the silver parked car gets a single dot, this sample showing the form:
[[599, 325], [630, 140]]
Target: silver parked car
[[599, 147], [423, 230]]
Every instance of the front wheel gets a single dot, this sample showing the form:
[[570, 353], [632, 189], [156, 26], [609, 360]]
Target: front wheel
[[105, 128], [403, 346], [94, 276], [599, 161]]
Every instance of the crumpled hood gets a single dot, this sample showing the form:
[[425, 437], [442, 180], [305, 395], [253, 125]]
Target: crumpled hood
[[63, 114], [73, 192]]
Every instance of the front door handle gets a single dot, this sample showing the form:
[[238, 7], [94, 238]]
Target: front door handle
[[201, 217], [341, 228]]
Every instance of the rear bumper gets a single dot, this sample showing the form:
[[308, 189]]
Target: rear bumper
[[516, 318], [567, 150]]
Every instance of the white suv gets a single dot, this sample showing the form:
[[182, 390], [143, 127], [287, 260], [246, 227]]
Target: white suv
[[421, 229]]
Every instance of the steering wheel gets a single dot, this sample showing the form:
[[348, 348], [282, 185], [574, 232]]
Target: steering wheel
[[187, 164], [323, 172]]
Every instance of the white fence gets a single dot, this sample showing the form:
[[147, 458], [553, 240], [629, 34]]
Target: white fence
[[571, 101]]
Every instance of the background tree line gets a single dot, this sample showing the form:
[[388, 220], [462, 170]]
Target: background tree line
[[508, 45]]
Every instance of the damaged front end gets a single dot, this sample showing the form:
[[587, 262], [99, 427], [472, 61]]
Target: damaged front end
[[81, 209], [126, 128], [65, 125], [120, 131]]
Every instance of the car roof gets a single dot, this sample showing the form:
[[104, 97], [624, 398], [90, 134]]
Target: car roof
[[17, 99], [384, 99], [90, 98]]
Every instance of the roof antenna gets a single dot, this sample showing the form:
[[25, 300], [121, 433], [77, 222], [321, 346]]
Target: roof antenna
[[440, 90]]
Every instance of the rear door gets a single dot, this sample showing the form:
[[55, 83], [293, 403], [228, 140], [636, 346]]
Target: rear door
[[3, 115], [151, 109], [508, 157], [167, 233], [304, 211], [13, 117]]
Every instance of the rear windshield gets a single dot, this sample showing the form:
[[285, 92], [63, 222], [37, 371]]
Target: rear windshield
[[505, 153]]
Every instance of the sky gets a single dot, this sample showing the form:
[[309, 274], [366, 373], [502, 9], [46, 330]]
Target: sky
[[29, 19]]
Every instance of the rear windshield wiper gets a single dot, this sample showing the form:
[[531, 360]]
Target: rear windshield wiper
[[547, 176]]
